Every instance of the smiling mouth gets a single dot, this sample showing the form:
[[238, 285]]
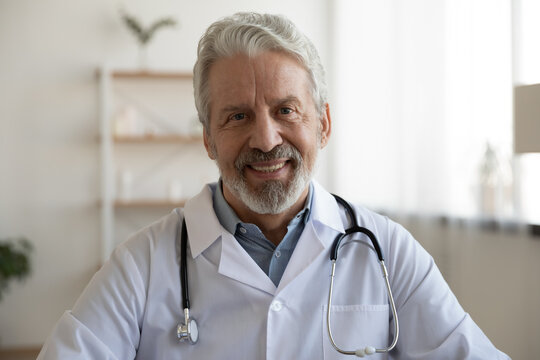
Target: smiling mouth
[[269, 168]]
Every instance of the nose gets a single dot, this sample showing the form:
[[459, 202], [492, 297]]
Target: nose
[[265, 133]]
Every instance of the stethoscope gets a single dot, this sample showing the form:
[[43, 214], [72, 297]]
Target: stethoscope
[[188, 331]]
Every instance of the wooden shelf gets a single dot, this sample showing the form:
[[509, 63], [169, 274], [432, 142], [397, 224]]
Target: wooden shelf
[[148, 74], [148, 203], [151, 74], [164, 139]]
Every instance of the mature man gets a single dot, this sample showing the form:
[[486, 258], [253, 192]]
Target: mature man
[[257, 244]]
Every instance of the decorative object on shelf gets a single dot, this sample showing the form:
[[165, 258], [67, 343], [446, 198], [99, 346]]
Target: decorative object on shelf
[[127, 122], [14, 261], [489, 178], [495, 178], [175, 190], [126, 185], [145, 35]]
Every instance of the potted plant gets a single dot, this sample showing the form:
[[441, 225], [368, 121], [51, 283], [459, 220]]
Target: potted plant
[[145, 34], [14, 261]]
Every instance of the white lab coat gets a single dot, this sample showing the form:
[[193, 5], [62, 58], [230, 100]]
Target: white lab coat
[[132, 306]]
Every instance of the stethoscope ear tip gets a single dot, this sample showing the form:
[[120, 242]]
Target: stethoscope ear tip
[[368, 350]]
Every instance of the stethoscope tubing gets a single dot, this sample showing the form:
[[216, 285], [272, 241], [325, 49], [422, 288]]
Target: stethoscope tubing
[[183, 267], [355, 228]]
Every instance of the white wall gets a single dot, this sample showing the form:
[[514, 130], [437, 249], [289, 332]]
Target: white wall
[[49, 155]]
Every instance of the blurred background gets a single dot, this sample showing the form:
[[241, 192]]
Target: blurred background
[[436, 123]]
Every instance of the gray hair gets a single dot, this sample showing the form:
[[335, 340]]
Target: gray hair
[[251, 34]]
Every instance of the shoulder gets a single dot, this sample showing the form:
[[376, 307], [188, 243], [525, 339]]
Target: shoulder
[[388, 228], [327, 210], [152, 240], [132, 260], [396, 240], [155, 233]]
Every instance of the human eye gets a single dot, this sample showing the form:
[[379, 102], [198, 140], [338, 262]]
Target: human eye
[[238, 116], [285, 111]]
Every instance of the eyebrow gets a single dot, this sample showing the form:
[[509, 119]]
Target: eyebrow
[[288, 99], [233, 108], [242, 107]]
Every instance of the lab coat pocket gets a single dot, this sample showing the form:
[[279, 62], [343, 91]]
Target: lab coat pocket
[[354, 327]]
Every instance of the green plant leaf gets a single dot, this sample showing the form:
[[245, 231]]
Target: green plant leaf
[[145, 35], [14, 261]]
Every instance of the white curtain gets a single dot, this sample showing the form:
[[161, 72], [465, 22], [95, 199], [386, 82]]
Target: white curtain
[[421, 88]]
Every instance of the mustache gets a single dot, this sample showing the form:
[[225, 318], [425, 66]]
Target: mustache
[[278, 152]]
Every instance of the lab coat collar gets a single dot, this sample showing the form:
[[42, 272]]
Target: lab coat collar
[[325, 212], [324, 223], [202, 223]]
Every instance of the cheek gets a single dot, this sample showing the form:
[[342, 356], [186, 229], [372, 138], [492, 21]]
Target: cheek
[[225, 152], [210, 146], [310, 148], [309, 140]]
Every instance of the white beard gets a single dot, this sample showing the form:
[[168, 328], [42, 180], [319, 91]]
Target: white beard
[[274, 196]]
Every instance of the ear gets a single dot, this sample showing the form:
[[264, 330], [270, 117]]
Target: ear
[[207, 142], [326, 126]]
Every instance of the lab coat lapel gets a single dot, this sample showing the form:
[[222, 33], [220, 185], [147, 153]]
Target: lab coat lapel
[[236, 264], [326, 221], [308, 248], [204, 229]]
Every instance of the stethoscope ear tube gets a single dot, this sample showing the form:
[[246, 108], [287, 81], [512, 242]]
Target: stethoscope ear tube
[[183, 267], [354, 229], [188, 331]]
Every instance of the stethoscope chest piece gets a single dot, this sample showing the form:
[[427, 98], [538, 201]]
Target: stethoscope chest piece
[[188, 331]]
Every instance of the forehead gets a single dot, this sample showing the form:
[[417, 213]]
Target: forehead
[[269, 74]]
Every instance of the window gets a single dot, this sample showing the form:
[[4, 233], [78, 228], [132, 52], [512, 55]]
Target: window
[[423, 106]]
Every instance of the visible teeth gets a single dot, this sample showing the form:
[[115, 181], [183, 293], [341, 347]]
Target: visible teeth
[[269, 168]]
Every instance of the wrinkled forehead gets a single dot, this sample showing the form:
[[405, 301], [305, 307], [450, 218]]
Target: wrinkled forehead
[[241, 78], [240, 70]]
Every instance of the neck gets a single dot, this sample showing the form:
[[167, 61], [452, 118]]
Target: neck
[[273, 226]]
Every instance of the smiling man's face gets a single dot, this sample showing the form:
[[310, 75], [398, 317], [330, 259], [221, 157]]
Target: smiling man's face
[[265, 130]]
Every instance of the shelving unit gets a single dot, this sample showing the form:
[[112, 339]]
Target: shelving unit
[[163, 139], [153, 74], [159, 152], [148, 204]]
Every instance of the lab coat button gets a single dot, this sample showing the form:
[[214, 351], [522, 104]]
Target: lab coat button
[[276, 306]]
